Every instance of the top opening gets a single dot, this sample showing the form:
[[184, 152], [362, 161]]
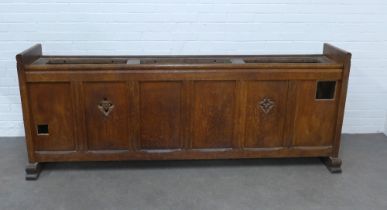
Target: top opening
[[86, 61], [160, 61], [183, 61], [187, 60], [282, 60]]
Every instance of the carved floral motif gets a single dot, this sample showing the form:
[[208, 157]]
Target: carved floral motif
[[105, 106], [266, 105]]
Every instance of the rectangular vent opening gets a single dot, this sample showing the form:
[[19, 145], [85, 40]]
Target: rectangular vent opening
[[42, 129], [326, 89]]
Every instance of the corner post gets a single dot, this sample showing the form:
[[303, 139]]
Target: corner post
[[333, 162], [26, 57]]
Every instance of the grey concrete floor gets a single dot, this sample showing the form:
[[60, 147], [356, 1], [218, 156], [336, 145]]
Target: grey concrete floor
[[220, 184]]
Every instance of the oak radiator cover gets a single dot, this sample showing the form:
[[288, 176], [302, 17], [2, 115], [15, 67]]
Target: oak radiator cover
[[104, 108]]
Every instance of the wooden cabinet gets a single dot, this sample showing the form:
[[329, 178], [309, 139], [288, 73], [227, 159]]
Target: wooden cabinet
[[182, 107]]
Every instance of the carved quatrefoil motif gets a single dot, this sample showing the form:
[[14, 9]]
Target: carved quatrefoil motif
[[266, 105], [105, 106]]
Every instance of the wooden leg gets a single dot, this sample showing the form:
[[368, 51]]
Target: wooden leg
[[332, 163], [33, 171]]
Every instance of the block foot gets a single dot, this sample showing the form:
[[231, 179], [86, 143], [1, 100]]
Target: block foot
[[332, 163], [33, 171]]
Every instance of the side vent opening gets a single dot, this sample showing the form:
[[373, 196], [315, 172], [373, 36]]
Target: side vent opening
[[326, 90], [42, 129]]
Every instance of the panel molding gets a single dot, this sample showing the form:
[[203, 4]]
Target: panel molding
[[214, 114], [307, 131], [266, 110], [58, 113], [160, 114], [106, 132]]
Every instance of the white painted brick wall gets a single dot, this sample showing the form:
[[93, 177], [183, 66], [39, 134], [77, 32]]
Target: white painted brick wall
[[202, 27]]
